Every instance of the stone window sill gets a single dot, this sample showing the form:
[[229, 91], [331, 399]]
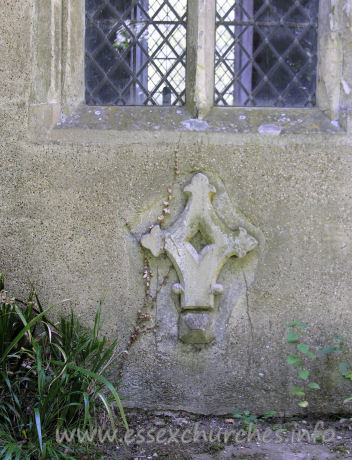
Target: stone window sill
[[115, 125]]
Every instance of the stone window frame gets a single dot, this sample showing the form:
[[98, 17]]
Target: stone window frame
[[58, 69]]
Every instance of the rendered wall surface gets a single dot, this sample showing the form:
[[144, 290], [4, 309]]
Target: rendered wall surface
[[65, 197]]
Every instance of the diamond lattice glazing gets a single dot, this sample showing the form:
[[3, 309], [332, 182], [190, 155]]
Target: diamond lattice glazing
[[135, 52], [266, 52]]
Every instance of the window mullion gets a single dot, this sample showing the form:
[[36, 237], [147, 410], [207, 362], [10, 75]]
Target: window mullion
[[200, 56]]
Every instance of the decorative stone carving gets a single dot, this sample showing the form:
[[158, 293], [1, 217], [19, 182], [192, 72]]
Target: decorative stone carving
[[198, 244]]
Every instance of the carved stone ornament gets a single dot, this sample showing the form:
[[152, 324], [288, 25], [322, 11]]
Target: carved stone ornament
[[198, 244]]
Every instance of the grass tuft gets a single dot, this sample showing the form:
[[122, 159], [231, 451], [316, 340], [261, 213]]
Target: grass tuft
[[51, 378]]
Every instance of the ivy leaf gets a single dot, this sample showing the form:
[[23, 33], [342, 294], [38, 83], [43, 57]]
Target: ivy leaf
[[294, 360], [292, 337], [314, 386], [303, 374], [303, 403], [298, 391]]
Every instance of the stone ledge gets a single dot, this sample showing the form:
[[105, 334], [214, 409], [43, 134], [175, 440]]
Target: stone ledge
[[223, 126], [230, 120]]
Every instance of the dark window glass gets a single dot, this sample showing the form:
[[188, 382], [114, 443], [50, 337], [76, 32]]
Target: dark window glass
[[266, 53], [135, 52]]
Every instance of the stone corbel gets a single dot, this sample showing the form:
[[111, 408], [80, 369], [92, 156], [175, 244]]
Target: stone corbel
[[198, 244]]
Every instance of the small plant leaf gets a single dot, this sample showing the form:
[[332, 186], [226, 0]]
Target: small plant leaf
[[39, 427], [23, 331], [314, 386], [269, 414], [303, 348], [347, 399], [297, 323], [101, 379], [292, 337], [294, 360], [303, 403], [298, 391], [326, 350], [339, 337], [86, 409], [108, 409], [304, 373], [343, 368]]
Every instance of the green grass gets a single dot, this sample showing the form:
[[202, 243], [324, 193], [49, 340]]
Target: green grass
[[51, 378]]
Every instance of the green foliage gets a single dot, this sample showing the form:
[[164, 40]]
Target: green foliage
[[50, 378], [249, 419], [296, 324], [124, 35], [313, 386], [269, 414], [294, 360], [346, 372], [246, 417], [332, 348], [122, 41], [298, 391], [303, 374], [294, 337]]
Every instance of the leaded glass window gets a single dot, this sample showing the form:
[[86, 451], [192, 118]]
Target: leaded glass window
[[135, 52], [266, 52]]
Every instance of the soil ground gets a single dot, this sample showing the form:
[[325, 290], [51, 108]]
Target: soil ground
[[231, 438]]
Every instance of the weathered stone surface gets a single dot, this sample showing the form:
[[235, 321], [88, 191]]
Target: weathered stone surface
[[153, 241], [63, 205], [198, 268], [196, 327]]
